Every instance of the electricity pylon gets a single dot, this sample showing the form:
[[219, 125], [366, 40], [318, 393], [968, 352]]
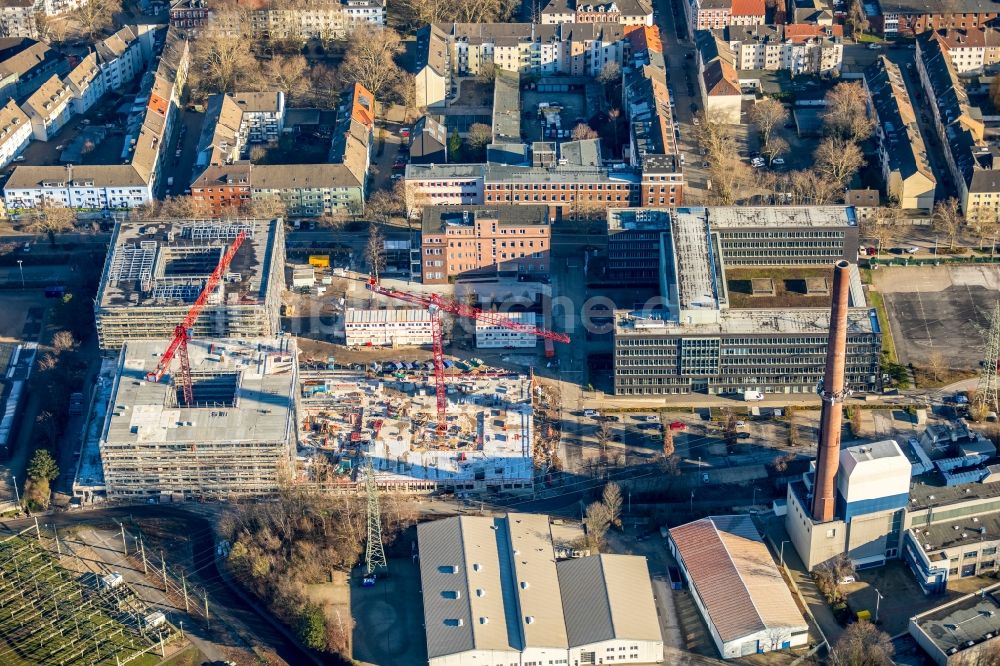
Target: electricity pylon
[[374, 554], [986, 392]]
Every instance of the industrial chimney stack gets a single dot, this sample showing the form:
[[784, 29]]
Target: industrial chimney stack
[[832, 391]]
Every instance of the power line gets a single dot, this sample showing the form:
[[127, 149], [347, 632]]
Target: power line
[[986, 391]]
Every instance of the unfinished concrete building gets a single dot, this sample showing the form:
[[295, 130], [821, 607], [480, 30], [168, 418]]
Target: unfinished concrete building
[[156, 270], [236, 440]]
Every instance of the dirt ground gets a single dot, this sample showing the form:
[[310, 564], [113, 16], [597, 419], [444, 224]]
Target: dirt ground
[[335, 598]]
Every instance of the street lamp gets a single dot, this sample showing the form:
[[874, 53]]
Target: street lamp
[[878, 598], [16, 496], [20, 266], [781, 554]]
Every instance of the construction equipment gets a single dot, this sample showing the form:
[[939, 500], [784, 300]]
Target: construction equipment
[[182, 333], [435, 304]]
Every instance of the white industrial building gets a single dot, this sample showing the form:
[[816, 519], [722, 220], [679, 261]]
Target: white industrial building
[[490, 336], [396, 328], [494, 595], [737, 587]]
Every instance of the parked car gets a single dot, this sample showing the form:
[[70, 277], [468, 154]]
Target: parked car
[[741, 424], [651, 419], [872, 251], [678, 425], [778, 161], [874, 47], [912, 250], [590, 412]]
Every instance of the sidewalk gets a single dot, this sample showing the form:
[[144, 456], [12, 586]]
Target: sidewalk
[[801, 581]]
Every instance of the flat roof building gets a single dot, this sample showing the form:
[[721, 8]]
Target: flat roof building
[[737, 587], [963, 631], [237, 439], [494, 593], [155, 271], [691, 339]]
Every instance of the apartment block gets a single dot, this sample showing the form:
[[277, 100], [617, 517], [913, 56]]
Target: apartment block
[[236, 439], [130, 181], [484, 240], [796, 48], [974, 164], [972, 50], [625, 12], [718, 80], [691, 340], [225, 179], [443, 185], [299, 20], [491, 336], [913, 17], [17, 19], [906, 171], [15, 132], [155, 271], [25, 64], [392, 328], [49, 108]]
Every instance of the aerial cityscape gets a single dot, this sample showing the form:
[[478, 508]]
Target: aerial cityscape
[[499, 333]]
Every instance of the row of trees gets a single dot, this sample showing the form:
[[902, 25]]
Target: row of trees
[[602, 515]]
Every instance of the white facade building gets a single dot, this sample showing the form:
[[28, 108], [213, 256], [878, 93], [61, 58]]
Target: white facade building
[[15, 132], [489, 336], [397, 328], [263, 116], [495, 595], [737, 587], [49, 108]]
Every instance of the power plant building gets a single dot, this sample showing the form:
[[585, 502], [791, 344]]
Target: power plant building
[[237, 439], [156, 270], [692, 340]]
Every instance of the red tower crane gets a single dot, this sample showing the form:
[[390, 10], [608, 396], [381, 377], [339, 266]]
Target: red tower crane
[[435, 304], [182, 333]]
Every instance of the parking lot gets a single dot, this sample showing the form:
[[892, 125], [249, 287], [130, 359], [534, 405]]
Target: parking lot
[[939, 310], [574, 112]]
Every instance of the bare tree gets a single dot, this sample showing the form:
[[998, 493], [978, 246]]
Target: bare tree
[[226, 63], [936, 365], [947, 220], [766, 115], [382, 206], [584, 131], [846, 115], [857, 18], [732, 178], [375, 249], [881, 226], [610, 73], [668, 442], [265, 208], [49, 218], [96, 16], [838, 159], [487, 72], [984, 654], [603, 437], [862, 644], [64, 341], [596, 520], [287, 73], [479, 135], [370, 58], [809, 187], [775, 148], [612, 499]]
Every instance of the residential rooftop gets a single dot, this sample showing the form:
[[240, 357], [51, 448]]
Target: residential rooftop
[[436, 219]]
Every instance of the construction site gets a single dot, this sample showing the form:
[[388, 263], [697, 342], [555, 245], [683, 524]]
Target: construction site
[[386, 414], [226, 432], [156, 270]]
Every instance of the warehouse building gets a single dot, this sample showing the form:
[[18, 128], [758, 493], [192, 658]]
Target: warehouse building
[[236, 440], [395, 328], [494, 594], [156, 270], [737, 587], [691, 340]]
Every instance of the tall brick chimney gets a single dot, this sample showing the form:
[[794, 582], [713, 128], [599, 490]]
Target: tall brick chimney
[[832, 391]]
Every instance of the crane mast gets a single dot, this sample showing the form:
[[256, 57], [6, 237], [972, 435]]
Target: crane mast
[[182, 332], [435, 304]]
